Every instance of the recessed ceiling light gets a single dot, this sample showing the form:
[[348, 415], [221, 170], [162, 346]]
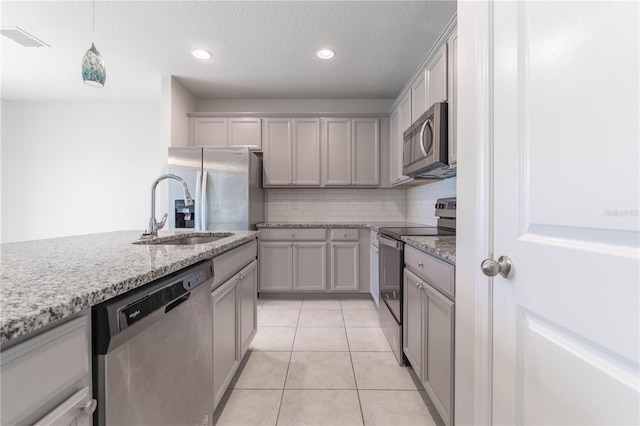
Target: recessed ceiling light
[[201, 54], [326, 54]]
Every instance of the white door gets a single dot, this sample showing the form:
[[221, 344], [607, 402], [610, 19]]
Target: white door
[[566, 324]]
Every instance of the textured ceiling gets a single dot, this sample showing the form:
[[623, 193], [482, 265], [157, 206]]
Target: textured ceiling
[[262, 49]]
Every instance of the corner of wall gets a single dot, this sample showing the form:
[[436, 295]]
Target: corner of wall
[[3, 168], [182, 102]]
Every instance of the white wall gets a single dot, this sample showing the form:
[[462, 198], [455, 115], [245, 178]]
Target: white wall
[[347, 106], [182, 102], [336, 205], [78, 167], [421, 200]]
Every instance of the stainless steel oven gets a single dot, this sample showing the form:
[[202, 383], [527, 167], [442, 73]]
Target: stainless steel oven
[[391, 266]]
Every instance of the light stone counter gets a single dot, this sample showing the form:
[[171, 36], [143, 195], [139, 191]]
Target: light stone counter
[[371, 225], [440, 247], [46, 280]]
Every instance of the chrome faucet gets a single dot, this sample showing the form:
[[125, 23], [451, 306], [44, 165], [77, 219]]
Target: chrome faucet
[[154, 225]]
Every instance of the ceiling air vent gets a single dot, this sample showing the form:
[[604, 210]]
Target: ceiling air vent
[[22, 37]]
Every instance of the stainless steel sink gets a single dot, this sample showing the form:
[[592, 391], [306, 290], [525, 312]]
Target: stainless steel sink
[[188, 241]]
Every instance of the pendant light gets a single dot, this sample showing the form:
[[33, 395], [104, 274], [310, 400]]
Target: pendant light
[[94, 72]]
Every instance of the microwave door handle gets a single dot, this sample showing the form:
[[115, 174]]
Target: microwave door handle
[[423, 147], [421, 141]]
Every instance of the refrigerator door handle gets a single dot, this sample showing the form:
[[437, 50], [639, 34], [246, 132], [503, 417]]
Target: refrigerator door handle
[[198, 217], [203, 202]]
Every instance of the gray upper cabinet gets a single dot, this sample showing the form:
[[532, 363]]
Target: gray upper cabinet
[[436, 74], [306, 151], [292, 152], [245, 131], [337, 147], [208, 131], [278, 152], [418, 96], [352, 152], [400, 121], [366, 151], [222, 131]]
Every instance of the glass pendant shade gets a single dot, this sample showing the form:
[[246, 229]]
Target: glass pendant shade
[[94, 72]]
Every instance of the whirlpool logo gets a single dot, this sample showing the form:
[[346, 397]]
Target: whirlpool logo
[[133, 315]]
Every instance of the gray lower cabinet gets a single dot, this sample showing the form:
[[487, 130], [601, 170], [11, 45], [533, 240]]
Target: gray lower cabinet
[[287, 266], [310, 266], [345, 266], [276, 266], [314, 260], [247, 293], [428, 335], [233, 305], [46, 379], [226, 357]]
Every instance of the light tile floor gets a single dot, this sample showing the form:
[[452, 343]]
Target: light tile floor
[[322, 362]]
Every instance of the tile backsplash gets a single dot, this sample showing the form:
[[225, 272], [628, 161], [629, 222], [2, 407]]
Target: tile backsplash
[[422, 199], [415, 204], [340, 205]]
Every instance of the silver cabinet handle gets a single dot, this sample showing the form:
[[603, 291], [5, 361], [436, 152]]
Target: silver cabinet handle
[[345, 234], [504, 267], [89, 407], [420, 265], [293, 235]]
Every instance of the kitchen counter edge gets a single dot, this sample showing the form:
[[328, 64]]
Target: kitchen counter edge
[[25, 310]]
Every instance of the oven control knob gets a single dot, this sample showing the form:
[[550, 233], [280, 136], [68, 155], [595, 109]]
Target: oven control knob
[[503, 266]]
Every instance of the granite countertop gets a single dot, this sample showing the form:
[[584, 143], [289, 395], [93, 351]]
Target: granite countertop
[[443, 247], [46, 280], [371, 225]]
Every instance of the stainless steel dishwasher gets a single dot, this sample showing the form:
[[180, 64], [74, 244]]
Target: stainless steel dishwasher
[[152, 352]]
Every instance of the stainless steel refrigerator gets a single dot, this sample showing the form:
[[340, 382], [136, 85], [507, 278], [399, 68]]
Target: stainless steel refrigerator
[[226, 185]]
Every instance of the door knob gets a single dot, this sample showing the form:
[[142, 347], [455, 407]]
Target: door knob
[[89, 407], [503, 266]]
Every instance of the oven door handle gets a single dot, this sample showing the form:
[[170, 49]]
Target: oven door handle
[[389, 242]]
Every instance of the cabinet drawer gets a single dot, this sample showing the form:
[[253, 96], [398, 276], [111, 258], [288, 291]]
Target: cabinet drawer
[[43, 368], [293, 234], [231, 262], [342, 234], [437, 273]]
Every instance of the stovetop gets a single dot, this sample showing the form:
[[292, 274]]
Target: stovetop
[[422, 231]]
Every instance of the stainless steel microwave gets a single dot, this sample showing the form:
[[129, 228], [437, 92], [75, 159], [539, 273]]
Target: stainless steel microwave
[[425, 147]]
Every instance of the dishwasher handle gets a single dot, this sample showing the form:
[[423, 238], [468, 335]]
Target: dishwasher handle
[[397, 245]]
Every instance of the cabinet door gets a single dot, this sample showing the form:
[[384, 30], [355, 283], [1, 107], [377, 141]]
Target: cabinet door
[[306, 152], [344, 266], [276, 267], [225, 332], [247, 292], [310, 266], [437, 78], [245, 132], [412, 320], [278, 148], [337, 145], [405, 113], [209, 131], [452, 96], [419, 96], [373, 275], [437, 377], [366, 149]]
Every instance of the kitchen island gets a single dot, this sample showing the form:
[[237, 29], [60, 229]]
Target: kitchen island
[[44, 281]]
